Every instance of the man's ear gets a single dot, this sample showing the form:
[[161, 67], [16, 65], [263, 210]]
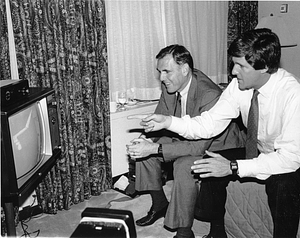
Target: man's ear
[[263, 71], [185, 69]]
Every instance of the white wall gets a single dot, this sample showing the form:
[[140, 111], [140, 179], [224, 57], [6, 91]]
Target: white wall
[[290, 59]]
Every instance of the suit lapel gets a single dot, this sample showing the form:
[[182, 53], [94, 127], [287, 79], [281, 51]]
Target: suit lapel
[[190, 103]]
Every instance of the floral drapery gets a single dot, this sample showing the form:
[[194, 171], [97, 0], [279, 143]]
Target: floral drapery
[[242, 16], [62, 44], [4, 52]]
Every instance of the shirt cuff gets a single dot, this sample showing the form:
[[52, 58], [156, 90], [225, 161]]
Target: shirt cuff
[[248, 168], [176, 125]]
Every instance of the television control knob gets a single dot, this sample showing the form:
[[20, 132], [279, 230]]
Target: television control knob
[[7, 95]]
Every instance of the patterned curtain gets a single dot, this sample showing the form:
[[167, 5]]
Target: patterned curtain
[[4, 52], [62, 44], [242, 16]]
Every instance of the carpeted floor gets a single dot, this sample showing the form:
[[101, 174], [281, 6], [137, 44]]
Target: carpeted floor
[[65, 222]]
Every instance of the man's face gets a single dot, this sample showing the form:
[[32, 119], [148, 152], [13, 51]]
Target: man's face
[[246, 75], [171, 74]]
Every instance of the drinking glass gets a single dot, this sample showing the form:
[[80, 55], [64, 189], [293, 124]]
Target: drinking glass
[[122, 99]]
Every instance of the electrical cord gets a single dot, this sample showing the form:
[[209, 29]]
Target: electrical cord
[[24, 224], [26, 233]]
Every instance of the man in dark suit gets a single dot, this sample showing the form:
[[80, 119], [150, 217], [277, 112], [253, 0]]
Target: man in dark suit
[[198, 94]]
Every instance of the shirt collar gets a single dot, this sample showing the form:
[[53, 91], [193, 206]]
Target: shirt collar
[[268, 87], [185, 91]]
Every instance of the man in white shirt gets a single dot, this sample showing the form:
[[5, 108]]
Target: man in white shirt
[[256, 57]]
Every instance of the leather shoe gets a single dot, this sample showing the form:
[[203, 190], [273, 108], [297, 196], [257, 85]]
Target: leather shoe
[[152, 217]]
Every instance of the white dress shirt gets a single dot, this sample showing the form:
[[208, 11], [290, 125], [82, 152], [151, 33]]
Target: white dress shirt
[[184, 94], [278, 129]]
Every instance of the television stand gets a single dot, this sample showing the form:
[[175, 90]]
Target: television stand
[[10, 219], [9, 203]]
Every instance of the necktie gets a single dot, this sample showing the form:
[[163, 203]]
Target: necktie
[[177, 111], [252, 126]]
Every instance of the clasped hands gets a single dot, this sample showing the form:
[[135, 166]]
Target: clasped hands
[[141, 147]]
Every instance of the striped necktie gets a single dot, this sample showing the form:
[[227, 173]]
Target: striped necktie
[[252, 127]]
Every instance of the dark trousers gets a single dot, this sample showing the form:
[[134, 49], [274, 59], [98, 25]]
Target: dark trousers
[[283, 193]]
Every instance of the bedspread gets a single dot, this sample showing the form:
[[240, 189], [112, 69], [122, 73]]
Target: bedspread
[[247, 211]]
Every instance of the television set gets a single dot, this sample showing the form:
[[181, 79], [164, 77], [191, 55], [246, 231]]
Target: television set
[[30, 142]]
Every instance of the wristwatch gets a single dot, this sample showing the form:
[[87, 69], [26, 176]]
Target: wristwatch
[[234, 167], [160, 150]]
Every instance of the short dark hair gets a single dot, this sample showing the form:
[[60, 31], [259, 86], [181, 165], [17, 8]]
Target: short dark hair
[[260, 47], [179, 53]]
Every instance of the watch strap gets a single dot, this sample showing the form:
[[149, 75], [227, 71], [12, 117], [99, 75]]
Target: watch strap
[[160, 150], [234, 167]]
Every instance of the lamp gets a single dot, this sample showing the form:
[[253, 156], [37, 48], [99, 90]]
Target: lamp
[[278, 26]]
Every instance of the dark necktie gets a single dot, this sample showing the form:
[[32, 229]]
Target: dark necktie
[[177, 111], [252, 126]]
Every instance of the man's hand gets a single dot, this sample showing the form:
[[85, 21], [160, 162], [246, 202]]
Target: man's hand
[[216, 166], [153, 122], [141, 147]]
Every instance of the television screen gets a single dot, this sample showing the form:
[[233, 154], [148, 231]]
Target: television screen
[[27, 139], [30, 139]]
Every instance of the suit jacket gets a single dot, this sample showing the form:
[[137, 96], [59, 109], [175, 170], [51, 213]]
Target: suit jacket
[[202, 95]]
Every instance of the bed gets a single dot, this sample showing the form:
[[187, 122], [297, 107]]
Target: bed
[[247, 211]]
